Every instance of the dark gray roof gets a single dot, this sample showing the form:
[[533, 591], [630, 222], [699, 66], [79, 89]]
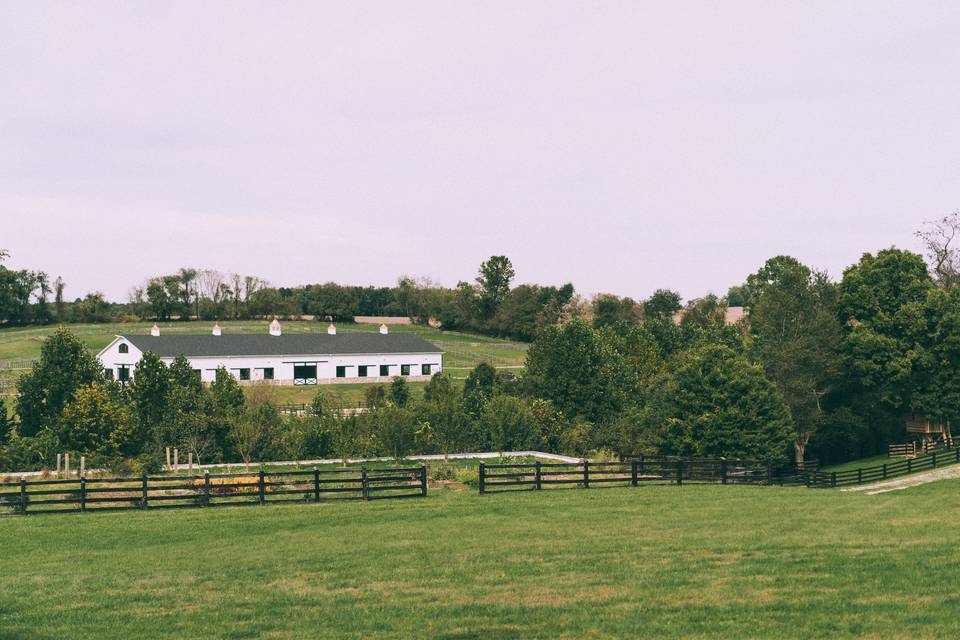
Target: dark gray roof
[[293, 344]]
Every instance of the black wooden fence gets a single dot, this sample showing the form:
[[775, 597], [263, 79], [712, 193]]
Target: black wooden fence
[[157, 492], [633, 472], [636, 471], [881, 472]]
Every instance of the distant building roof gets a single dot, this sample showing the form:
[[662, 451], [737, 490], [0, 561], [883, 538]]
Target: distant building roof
[[206, 345]]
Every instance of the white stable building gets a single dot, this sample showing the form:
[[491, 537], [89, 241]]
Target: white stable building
[[298, 358]]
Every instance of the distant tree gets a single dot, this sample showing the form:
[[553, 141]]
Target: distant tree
[[395, 428], [940, 238], [609, 310], [796, 337], [548, 425], [662, 305], [442, 410], [6, 424], [375, 396], [399, 392], [58, 303], [64, 366], [97, 420], [738, 296], [150, 392], [581, 372], [494, 281], [508, 424], [715, 403], [705, 313], [226, 393], [480, 386]]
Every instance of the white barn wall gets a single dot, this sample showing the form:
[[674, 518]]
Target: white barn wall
[[111, 358]]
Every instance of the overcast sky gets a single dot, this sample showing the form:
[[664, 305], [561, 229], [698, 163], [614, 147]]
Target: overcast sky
[[623, 146]]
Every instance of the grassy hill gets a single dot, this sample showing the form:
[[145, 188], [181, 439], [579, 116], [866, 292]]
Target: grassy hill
[[655, 562], [462, 351]]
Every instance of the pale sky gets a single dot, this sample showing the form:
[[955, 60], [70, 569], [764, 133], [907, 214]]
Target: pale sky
[[623, 146]]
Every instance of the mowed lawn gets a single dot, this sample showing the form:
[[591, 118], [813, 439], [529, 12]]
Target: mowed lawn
[[651, 562]]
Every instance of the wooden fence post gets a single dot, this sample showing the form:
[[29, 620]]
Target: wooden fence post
[[833, 478], [58, 464], [909, 465], [423, 480], [176, 459], [364, 485], [206, 487], [66, 464], [483, 477], [680, 472], [83, 465], [261, 487], [536, 477], [933, 459], [641, 464], [143, 492], [633, 473], [168, 458], [859, 475], [23, 496], [83, 493], [884, 471], [316, 484], [586, 474]]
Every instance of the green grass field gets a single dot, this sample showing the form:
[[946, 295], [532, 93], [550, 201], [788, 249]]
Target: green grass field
[[653, 562]]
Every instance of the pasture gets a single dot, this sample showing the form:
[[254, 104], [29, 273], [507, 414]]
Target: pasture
[[652, 562]]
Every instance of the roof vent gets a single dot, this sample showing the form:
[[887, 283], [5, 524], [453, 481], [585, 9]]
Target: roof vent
[[275, 327], [216, 330], [155, 330], [332, 330], [384, 330]]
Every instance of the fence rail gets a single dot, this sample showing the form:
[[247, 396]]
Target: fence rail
[[638, 470], [157, 492], [632, 472]]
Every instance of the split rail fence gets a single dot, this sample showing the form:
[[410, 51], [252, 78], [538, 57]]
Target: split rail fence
[[679, 471], [164, 492]]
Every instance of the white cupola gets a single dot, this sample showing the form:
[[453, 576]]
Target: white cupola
[[332, 330], [217, 330], [155, 330], [275, 327], [384, 330]]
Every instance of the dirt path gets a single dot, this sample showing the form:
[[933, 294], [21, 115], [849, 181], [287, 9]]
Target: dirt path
[[910, 481]]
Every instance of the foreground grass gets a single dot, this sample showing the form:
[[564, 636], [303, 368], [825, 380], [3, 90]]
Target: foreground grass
[[667, 562]]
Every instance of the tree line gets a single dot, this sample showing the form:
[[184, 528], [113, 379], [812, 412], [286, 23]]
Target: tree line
[[816, 368]]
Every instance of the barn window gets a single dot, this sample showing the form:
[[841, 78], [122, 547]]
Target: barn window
[[268, 373], [425, 369], [341, 372], [244, 374], [123, 373], [124, 348], [362, 371], [404, 369], [384, 370]]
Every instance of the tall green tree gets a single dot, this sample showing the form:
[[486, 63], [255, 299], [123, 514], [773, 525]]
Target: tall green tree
[[715, 403], [580, 370], [6, 424], [150, 392], [64, 366], [882, 301], [662, 305], [494, 281], [507, 424], [796, 337]]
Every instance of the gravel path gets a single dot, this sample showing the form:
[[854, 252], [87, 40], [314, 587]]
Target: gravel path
[[910, 481]]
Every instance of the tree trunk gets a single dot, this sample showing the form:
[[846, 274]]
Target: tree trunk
[[799, 448]]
